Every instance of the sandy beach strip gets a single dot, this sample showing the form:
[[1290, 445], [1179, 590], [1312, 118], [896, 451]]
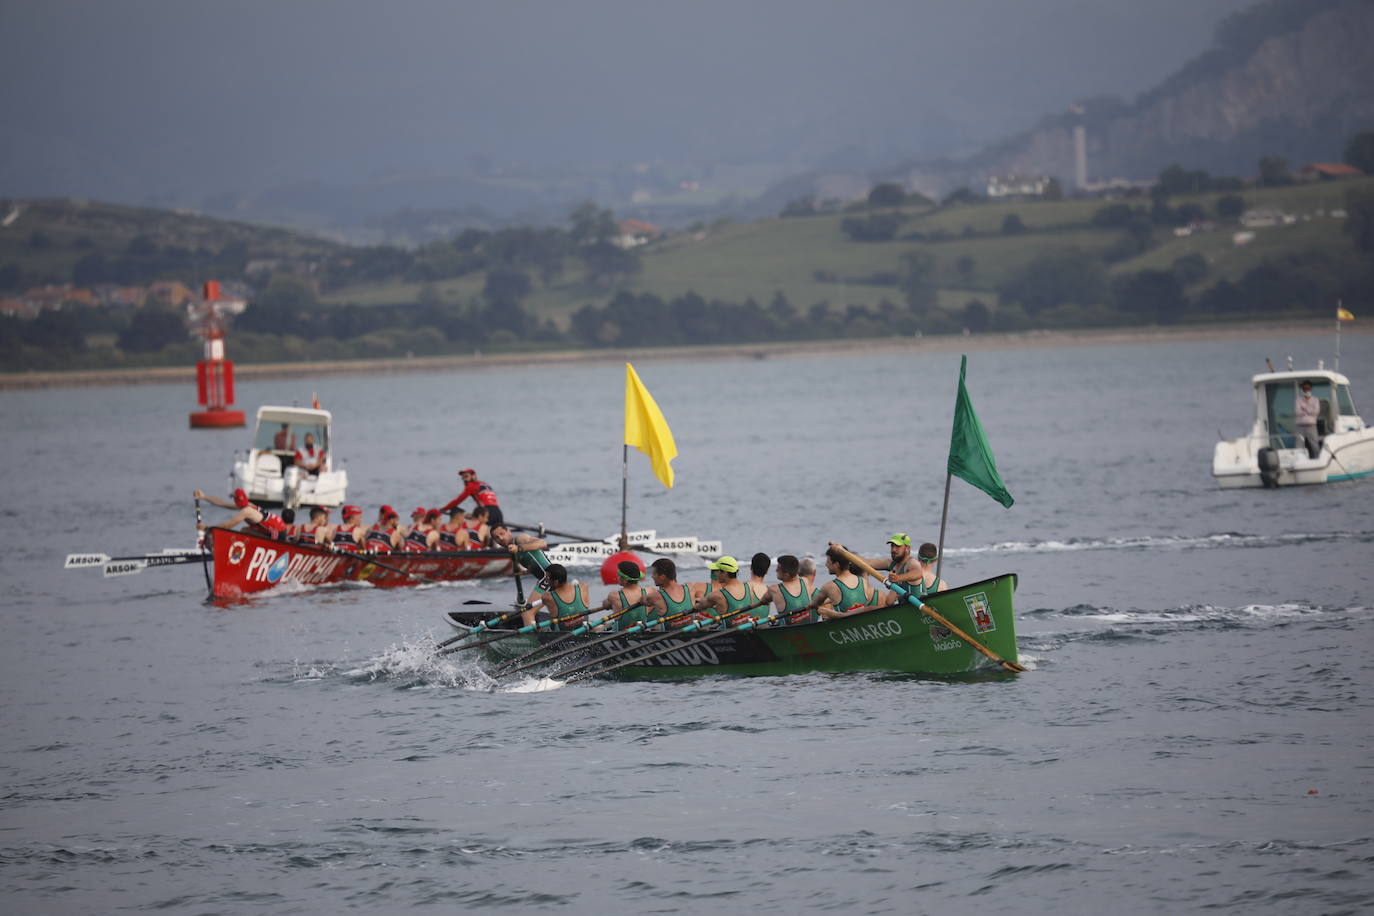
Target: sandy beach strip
[[947, 343]]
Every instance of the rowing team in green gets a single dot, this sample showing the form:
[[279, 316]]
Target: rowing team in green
[[792, 599]]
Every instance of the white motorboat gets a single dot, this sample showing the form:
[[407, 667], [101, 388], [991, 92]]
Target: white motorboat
[[1272, 455], [268, 473]]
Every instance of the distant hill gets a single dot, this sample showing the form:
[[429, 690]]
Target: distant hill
[[1287, 78]]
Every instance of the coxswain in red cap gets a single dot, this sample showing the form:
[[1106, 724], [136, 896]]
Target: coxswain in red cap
[[481, 493]]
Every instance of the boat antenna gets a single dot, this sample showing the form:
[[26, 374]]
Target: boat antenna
[[1270, 363]]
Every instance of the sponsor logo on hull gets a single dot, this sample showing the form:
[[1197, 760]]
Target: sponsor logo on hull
[[980, 612]]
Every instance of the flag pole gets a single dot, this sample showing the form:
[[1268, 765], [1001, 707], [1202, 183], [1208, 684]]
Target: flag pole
[[944, 517], [1339, 307], [624, 496]]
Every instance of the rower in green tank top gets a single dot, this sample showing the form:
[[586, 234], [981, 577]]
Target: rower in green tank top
[[669, 598], [562, 600], [732, 594], [846, 594], [528, 551], [790, 594], [629, 595]]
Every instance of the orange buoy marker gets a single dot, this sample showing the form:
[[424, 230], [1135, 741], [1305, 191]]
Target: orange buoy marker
[[214, 374], [608, 572]]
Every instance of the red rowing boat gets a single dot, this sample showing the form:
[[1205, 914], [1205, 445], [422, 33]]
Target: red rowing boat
[[245, 563]]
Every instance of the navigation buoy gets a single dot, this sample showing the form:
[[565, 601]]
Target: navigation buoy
[[608, 573], [214, 374]]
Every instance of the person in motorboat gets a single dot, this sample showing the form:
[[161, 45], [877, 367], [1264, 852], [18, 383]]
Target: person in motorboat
[[561, 598], [1306, 409], [283, 440], [669, 597], [348, 535], [844, 595], [730, 595], [454, 535], [384, 536], [482, 495], [630, 592], [791, 593], [252, 517], [309, 458]]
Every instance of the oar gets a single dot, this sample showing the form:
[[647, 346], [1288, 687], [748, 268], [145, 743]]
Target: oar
[[576, 537], [506, 667], [484, 625], [741, 628], [710, 620], [926, 609], [528, 628], [89, 560]]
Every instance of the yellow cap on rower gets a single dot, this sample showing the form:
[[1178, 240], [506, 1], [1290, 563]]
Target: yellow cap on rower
[[725, 564], [901, 540]]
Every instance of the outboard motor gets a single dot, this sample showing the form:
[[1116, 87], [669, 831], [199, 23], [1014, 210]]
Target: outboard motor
[[291, 487], [1269, 468]]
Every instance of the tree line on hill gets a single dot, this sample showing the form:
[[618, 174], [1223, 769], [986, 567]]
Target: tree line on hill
[[1061, 288]]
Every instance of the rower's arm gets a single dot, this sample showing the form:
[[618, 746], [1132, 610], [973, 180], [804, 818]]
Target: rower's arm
[[214, 500]]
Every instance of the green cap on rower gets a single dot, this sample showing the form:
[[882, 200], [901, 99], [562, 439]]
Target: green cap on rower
[[629, 571], [901, 540], [725, 564]]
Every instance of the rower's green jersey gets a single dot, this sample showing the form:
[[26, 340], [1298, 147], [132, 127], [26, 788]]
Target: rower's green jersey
[[566, 608], [733, 604], [533, 560], [851, 597], [792, 603], [677, 607], [630, 618]]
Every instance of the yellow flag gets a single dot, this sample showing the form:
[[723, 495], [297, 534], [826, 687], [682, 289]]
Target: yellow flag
[[646, 429], [1344, 315]]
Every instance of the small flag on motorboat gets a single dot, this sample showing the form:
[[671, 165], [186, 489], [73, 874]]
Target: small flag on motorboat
[[1344, 314], [645, 428], [970, 456]]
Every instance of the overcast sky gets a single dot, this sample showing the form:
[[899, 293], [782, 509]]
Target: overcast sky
[[116, 98]]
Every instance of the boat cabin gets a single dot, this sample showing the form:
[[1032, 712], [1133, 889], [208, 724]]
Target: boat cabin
[[268, 471], [1276, 395], [282, 430]]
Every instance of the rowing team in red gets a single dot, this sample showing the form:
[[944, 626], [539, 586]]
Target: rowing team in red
[[426, 531]]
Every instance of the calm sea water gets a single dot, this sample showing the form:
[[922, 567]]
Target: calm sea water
[[1195, 732]]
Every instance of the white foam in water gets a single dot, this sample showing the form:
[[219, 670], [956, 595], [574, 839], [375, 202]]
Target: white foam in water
[[1170, 542], [533, 685]]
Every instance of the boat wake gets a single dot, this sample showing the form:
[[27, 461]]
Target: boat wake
[[1167, 542], [413, 665]]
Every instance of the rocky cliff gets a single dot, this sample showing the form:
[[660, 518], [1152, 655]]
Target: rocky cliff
[[1300, 94]]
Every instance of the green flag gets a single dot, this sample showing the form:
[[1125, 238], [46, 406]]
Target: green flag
[[970, 456]]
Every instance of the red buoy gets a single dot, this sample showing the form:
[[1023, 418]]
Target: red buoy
[[214, 374], [608, 573]]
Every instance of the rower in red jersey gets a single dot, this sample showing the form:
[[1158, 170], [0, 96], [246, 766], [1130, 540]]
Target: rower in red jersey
[[385, 535], [416, 537], [454, 535], [317, 530], [253, 517], [348, 536]]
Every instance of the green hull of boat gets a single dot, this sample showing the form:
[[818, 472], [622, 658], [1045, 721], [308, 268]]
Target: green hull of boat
[[900, 638]]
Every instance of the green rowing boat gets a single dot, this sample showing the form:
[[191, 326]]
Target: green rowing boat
[[900, 638]]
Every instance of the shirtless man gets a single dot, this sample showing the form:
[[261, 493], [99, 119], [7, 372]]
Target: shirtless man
[[384, 536], [730, 595], [668, 598], [630, 593], [252, 517], [846, 594]]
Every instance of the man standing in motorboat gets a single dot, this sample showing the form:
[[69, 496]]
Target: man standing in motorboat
[[482, 494], [1306, 410], [309, 458]]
